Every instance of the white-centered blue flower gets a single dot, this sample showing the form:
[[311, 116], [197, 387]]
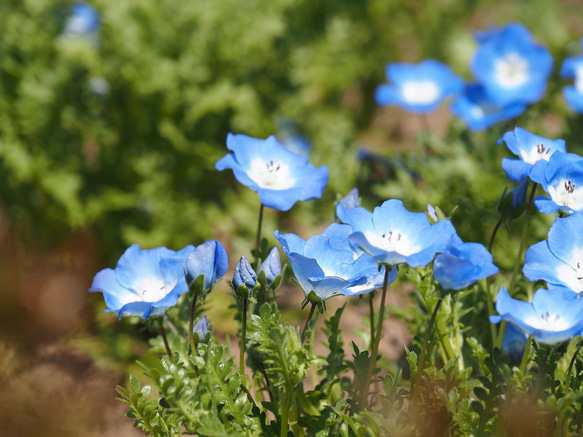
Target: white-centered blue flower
[[478, 112], [279, 176], [511, 66], [559, 259], [531, 149], [562, 179], [393, 235], [145, 282], [555, 315], [462, 264], [418, 87], [572, 68], [328, 265]]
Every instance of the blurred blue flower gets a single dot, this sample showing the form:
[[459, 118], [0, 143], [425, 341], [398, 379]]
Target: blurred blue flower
[[209, 259], [145, 282], [562, 179], [555, 315], [519, 194], [351, 200], [244, 274], [328, 265], [479, 112], [201, 327], [531, 149], [460, 265], [418, 87], [510, 66], [279, 176], [83, 20], [572, 68], [393, 235], [514, 343], [558, 260], [271, 266]]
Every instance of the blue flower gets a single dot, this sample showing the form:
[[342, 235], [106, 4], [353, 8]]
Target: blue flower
[[393, 235], [519, 194], [271, 266], [419, 87], [83, 21], [460, 265], [479, 112], [351, 200], [514, 343], [201, 327], [145, 282], [530, 148], [510, 66], [555, 315], [558, 260], [208, 259], [562, 179], [572, 68], [279, 176], [244, 274], [328, 265]]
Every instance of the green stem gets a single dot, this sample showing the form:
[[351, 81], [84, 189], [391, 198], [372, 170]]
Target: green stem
[[371, 312], [165, 339], [525, 356], [519, 257], [375, 349], [258, 238], [567, 384], [421, 362], [310, 314], [191, 325], [243, 335]]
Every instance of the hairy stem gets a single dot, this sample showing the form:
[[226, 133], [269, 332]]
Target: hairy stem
[[191, 325], [243, 335], [310, 314]]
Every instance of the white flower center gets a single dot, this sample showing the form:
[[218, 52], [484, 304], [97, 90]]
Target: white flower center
[[572, 274], [393, 241], [541, 151], [565, 193], [420, 93], [548, 322], [151, 289], [579, 79], [511, 71], [270, 174]]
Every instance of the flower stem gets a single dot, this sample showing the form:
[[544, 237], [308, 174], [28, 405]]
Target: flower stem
[[258, 238], [567, 383], [243, 335], [371, 312], [376, 340], [310, 314], [525, 356], [191, 325], [519, 257], [165, 339], [421, 362]]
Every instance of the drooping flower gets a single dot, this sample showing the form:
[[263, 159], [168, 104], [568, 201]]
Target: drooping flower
[[478, 112], [327, 265], [530, 148], [393, 235], [572, 68], [279, 176], [244, 274], [271, 266], [555, 315], [558, 260], [145, 282], [511, 66], [460, 265], [418, 87], [208, 259], [562, 179]]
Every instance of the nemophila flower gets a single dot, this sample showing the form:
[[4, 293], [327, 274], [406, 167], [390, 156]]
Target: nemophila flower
[[562, 179], [479, 112], [327, 265], [244, 274], [530, 148], [559, 259], [510, 66], [514, 343], [555, 315], [208, 259], [279, 176], [271, 266], [145, 282], [572, 68], [418, 87], [201, 327], [393, 235], [83, 21], [351, 200], [462, 264], [519, 194]]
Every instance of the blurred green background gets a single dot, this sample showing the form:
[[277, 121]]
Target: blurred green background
[[110, 141]]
